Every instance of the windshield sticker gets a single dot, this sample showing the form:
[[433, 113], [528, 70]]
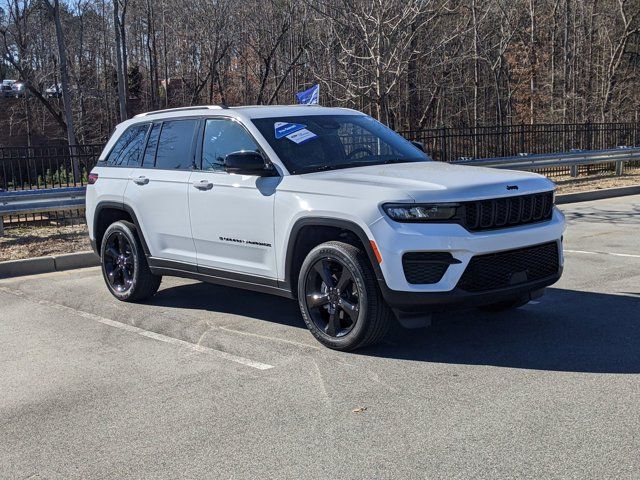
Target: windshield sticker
[[284, 129], [302, 136]]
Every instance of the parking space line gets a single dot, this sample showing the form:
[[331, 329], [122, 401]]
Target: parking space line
[[628, 255], [145, 333]]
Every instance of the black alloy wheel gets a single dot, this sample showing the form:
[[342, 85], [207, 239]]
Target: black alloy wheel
[[119, 264], [124, 264], [332, 297]]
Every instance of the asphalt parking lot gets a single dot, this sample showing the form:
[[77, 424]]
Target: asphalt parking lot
[[212, 382]]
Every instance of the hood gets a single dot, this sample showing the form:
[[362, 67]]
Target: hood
[[434, 181]]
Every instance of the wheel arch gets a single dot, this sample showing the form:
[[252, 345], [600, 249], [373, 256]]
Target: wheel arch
[[309, 232], [106, 213]]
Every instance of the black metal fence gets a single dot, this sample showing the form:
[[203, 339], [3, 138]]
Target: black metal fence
[[450, 144], [24, 168], [32, 168]]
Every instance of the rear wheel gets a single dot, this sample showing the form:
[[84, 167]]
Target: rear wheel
[[339, 297], [124, 264]]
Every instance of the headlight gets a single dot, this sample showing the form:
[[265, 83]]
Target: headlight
[[406, 212]]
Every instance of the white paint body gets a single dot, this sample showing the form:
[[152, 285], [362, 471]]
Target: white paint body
[[185, 224]]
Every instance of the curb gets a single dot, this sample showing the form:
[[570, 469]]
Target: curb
[[597, 194], [52, 263]]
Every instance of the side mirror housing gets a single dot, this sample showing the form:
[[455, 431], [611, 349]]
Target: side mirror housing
[[418, 145], [248, 163]]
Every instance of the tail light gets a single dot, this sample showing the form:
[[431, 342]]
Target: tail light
[[93, 178]]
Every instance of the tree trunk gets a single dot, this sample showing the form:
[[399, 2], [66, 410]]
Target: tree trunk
[[64, 78], [122, 102]]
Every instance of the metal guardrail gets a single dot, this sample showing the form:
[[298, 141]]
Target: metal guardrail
[[55, 199], [40, 201], [619, 156]]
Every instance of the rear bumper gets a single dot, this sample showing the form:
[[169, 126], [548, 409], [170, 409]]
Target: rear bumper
[[433, 301]]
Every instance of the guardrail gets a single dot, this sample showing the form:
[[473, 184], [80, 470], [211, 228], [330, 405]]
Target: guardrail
[[572, 160], [40, 201], [57, 199]]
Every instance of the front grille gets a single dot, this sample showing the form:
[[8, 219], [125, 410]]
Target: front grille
[[510, 268], [426, 267], [506, 212]]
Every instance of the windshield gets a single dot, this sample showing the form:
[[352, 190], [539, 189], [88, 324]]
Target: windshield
[[314, 143]]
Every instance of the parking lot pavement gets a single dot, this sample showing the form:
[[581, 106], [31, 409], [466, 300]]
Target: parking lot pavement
[[206, 381]]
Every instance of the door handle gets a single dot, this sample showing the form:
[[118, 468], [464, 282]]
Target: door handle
[[203, 185], [141, 180]]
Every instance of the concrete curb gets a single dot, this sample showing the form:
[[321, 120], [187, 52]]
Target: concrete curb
[[597, 194], [52, 263]]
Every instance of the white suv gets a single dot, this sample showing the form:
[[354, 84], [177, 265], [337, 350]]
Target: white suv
[[325, 205]]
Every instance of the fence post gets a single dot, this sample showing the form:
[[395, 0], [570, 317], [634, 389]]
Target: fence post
[[619, 167], [522, 138], [1, 226], [443, 144]]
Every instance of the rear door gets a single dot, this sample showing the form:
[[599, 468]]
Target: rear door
[[231, 215], [158, 189]]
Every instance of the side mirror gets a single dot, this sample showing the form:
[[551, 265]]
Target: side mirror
[[418, 145], [247, 163]]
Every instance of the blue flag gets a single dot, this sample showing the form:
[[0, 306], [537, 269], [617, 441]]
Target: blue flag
[[309, 97]]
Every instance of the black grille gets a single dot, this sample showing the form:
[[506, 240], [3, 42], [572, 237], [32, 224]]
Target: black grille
[[426, 267], [513, 267], [506, 212]]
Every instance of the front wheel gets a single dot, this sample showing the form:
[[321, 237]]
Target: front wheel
[[124, 264], [339, 297]]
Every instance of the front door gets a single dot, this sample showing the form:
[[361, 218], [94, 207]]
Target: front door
[[231, 215]]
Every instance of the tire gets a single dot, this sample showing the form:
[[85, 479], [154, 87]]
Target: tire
[[328, 310], [124, 264], [505, 305]]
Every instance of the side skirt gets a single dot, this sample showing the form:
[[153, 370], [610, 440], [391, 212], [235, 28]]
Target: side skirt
[[218, 277]]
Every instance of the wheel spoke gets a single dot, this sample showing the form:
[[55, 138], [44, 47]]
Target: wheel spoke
[[345, 278], [324, 271], [333, 324], [126, 276], [121, 243], [349, 308], [111, 251], [315, 300], [113, 274]]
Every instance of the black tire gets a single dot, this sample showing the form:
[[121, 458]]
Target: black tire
[[124, 264], [504, 305], [328, 309]]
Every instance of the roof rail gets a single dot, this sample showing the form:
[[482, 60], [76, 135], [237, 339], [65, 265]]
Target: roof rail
[[182, 109]]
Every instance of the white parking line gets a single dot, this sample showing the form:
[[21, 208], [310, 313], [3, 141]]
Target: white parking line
[[603, 253], [145, 333]]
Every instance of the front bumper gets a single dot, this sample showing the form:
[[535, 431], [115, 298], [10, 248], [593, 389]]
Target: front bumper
[[395, 239], [433, 301]]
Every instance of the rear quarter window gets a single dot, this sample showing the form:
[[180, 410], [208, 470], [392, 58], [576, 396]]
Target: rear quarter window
[[128, 149]]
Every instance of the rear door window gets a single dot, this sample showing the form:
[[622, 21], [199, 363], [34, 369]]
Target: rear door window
[[128, 149], [174, 150]]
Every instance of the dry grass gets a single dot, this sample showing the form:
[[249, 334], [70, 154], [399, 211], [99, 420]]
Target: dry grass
[[40, 241], [596, 182]]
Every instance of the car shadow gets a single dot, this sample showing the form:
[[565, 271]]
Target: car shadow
[[235, 301], [566, 330]]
